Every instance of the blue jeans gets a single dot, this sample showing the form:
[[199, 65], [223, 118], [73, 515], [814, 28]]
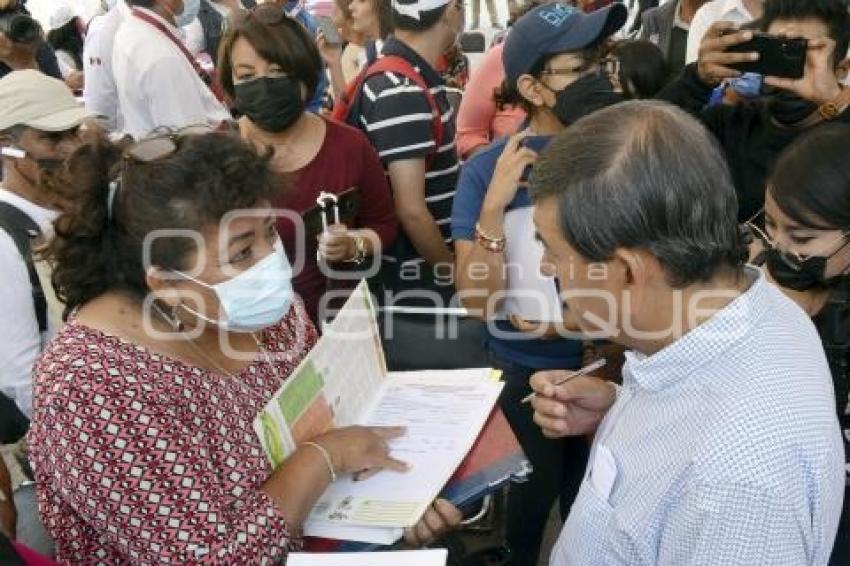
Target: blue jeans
[[559, 467]]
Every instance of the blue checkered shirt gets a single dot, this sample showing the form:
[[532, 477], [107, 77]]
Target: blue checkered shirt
[[726, 449]]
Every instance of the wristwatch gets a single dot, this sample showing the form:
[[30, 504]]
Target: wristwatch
[[836, 107]]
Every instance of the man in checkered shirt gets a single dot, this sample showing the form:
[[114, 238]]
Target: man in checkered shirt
[[722, 444]]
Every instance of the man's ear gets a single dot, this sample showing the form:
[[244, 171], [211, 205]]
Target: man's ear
[[641, 268]]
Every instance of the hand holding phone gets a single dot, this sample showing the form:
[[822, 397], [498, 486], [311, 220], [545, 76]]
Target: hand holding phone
[[329, 30], [716, 63], [819, 83], [778, 56]]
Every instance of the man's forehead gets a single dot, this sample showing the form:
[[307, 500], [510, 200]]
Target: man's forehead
[[809, 28]]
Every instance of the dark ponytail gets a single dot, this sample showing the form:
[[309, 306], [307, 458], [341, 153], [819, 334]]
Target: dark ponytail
[[96, 249], [81, 265]]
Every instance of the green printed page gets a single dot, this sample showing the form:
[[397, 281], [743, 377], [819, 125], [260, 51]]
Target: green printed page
[[333, 386]]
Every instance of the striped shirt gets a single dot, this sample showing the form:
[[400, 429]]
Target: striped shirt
[[396, 117], [722, 448]]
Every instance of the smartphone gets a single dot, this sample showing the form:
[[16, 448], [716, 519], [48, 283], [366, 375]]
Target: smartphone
[[329, 30], [536, 144], [778, 56]]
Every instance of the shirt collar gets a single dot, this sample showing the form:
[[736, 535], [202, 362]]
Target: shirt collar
[[42, 216], [703, 344], [731, 6], [393, 46], [157, 17]]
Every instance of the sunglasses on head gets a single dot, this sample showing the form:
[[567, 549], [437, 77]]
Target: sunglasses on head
[[163, 143], [271, 13]]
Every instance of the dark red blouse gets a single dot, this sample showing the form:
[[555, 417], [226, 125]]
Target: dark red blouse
[[345, 160]]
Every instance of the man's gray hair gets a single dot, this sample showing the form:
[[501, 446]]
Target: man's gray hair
[[644, 175]]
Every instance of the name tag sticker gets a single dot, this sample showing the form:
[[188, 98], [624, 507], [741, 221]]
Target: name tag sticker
[[603, 473]]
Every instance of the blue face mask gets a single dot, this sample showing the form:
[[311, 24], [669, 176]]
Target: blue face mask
[[189, 13], [257, 298]]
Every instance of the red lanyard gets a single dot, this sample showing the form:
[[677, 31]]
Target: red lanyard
[[205, 77]]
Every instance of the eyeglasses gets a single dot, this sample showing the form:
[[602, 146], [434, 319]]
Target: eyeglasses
[[162, 144], [791, 259], [585, 69]]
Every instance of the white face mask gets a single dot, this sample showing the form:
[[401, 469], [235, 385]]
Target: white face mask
[[257, 298]]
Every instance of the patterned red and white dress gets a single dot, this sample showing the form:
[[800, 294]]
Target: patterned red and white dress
[[142, 459]]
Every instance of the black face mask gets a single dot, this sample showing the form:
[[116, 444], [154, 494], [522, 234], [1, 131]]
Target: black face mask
[[272, 103], [810, 274], [588, 94], [786, 107]]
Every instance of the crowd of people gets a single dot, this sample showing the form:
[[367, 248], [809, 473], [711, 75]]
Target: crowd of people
[[690, 219]]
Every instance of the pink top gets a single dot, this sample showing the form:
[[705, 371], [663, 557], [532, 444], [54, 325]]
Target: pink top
[[142, 459], [30, 557], [479, 121]]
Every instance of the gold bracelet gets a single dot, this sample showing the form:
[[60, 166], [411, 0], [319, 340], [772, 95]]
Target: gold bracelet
[[326, 456]]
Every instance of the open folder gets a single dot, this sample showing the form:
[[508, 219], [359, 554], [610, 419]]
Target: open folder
[[343, 381]]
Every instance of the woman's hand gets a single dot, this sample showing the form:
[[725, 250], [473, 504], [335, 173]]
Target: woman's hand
[[337, 243], [356, 449], [331, 54], [513, 162], [440, 518]]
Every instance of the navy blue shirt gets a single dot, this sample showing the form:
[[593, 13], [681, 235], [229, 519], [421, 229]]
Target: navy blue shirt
[[472, 186]]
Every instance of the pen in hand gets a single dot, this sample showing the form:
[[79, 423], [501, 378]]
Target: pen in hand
[[578, 373]]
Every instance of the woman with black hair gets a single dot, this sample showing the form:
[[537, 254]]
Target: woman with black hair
[[269, 64], [182, 324], [806, 239], [637, 68]]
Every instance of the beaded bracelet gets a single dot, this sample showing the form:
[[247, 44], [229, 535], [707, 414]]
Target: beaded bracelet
[[489, 243]]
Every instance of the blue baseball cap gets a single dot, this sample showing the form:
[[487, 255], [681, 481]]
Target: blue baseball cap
[[557, 28]]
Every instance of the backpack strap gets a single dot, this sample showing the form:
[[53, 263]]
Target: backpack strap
[[22, 229], [398, 65]]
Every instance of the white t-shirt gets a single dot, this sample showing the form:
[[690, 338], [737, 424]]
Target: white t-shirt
[[22, 342], [157, 84], [100, 93]]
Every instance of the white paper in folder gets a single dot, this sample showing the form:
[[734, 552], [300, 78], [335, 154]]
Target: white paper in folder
[[532, 295]]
